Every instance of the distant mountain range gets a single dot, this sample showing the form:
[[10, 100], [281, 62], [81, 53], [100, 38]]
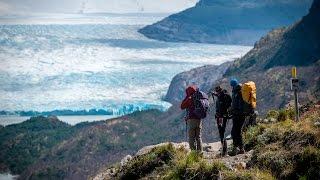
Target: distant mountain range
[[227, 22]]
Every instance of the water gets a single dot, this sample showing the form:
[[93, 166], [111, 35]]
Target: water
[[7, 177], [72, 120], [93, 61]]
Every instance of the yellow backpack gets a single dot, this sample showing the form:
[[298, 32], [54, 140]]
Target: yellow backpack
[[249, 93]]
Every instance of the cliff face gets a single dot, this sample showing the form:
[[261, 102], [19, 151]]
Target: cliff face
[[203, 77], [227, 22]]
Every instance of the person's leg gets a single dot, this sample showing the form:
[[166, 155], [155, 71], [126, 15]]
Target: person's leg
[[240, 141], [220, 129], [234, 131], [224, 141], [223, 128], [192, 134], [198, 134]]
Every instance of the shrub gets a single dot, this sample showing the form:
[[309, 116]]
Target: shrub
[[272, 114], [308, 163], [251, 135], [144, 164]]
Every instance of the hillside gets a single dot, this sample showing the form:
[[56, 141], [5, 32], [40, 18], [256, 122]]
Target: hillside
[[269, 62], [46, 147], [75, 152], [227, 22], [22, 144], [277, 149]]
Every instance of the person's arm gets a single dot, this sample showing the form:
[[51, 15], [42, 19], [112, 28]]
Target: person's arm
[[186, 103]]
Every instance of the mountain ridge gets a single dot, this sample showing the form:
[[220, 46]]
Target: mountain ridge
[[227, 22]]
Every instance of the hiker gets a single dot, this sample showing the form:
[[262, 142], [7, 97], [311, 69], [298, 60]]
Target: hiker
[[196, 103], [238, 117], [223, 103]]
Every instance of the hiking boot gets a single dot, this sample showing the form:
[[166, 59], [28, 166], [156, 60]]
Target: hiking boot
[[241, 151]]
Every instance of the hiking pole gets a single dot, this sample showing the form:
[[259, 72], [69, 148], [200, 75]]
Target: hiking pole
[[295, 87], [186, 130]]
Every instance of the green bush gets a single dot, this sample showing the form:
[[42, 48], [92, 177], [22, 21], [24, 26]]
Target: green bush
[[272, 114]]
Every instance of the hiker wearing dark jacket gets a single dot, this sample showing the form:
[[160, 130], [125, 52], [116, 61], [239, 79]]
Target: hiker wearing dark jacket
[[194, 123], [238, 116], [223, 103]]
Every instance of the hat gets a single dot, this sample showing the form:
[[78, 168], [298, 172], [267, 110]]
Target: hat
[[234, 82], [191, 90]]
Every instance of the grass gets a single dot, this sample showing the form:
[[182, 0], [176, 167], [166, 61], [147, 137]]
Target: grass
[[288, 149], [170, 163]]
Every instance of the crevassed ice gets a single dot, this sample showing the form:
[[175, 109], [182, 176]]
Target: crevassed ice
[[45, 67]]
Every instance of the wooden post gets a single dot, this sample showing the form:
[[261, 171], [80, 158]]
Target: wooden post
[[295, 87]]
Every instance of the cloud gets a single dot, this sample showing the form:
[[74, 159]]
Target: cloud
[[5, 8]]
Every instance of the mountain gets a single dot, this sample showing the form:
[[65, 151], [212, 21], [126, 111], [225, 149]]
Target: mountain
[[269, 62], [227, 22]]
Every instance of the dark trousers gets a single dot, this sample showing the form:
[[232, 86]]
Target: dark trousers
[[236, 131], [222, 128]]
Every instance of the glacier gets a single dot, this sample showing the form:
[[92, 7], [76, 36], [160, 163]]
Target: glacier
[[95, 61]]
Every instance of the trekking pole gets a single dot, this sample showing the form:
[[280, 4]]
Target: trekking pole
[[186, 130], [295, 87]]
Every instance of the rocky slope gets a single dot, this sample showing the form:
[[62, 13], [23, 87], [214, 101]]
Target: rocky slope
[[203, 77], [227, 22], [281, 149]]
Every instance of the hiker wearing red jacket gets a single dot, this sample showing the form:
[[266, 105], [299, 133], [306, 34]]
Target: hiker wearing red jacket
[[194, 123]]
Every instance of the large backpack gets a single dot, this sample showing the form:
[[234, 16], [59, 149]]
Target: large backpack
[[249, 96], [201, 104]]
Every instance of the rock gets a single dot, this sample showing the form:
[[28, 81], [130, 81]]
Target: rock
[[147, 149], [125, 160], [272, 120], [241, 165]]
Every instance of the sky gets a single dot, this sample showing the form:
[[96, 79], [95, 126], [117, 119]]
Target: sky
[[11, 7]]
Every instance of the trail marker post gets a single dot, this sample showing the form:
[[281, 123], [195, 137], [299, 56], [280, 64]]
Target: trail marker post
[[295, 88]]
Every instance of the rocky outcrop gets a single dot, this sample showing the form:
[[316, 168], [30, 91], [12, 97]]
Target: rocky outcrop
[[204, 77], [227, 22], [211, 152]]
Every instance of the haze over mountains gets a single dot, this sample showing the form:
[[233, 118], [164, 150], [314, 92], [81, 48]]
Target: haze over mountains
[[227, 22]]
